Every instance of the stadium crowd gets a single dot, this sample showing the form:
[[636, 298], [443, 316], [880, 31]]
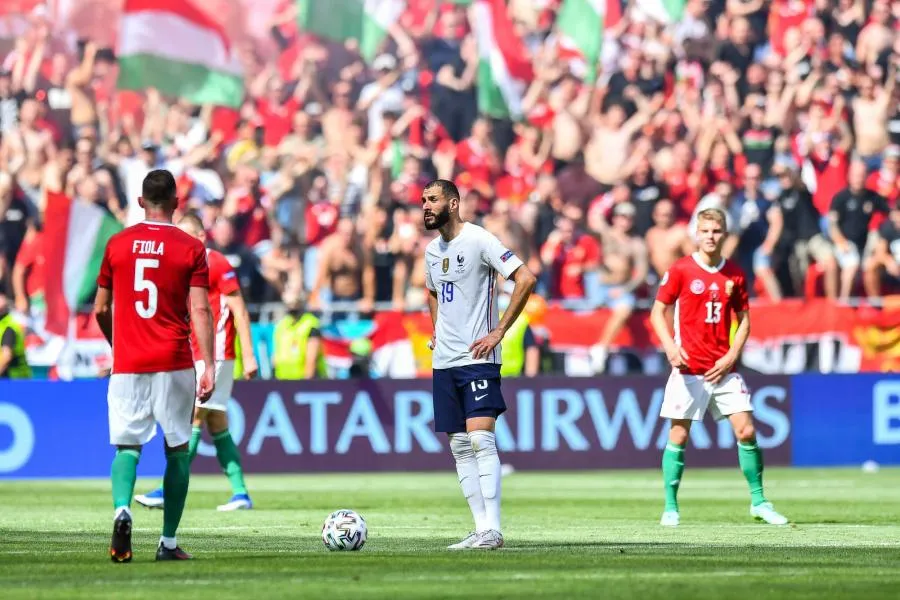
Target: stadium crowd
[[785, 113]]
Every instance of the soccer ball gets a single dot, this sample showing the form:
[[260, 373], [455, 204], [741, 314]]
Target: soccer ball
[[344, 530]]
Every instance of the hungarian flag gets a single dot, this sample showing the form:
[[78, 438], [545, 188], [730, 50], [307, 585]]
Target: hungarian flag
[[366, 21], [663, 11], [174, 47], [582, 24], [75, 236], [387, 338], [504, 68]]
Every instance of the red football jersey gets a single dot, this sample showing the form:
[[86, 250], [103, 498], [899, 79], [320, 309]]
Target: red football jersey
[[222, 282], [705, 300], [150, 268]]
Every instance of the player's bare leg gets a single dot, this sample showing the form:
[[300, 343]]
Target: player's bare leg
[[673, 468], [123, 474], [484, 445], [175, 488], [229, 459], [751, 461]]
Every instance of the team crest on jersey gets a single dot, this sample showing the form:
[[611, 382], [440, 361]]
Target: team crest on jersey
[[445, 265], [698, 287], [460, 264], [729, 287]]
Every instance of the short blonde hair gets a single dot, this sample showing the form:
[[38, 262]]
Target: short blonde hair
[[716, 215]]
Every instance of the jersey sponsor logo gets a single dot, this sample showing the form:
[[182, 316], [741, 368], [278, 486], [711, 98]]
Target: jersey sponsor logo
[[729, 287], [506, 256], [665, 279], [445, 265], [714, 287], [698, 287]]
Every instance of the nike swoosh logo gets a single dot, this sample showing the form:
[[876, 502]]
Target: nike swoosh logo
[[477, 398]]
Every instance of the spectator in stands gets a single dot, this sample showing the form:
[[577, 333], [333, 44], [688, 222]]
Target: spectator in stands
[[623, 271], [667, 240], [851, 213], [339, 276], [761, 228], [566, 256], [884, 264], [801, 237]]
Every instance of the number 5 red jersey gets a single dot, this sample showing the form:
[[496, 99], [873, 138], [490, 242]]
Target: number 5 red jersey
[[705, 300], [150, 268]]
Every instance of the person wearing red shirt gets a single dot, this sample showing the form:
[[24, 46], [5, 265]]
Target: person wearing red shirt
[[886, 181], [706, 292], [477, 153], [158, 279], [230, 319], [828, 158], [569, 255], [29, 276], [277, 116]]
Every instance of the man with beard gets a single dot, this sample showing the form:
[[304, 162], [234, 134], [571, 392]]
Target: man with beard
[[460, 273]]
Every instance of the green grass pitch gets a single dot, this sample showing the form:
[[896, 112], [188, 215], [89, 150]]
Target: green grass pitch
[[584, 534]]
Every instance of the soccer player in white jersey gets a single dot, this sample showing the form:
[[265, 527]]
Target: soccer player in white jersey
[[461, 268]]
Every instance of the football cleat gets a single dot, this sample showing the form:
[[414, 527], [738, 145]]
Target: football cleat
[[120, 545], [670, 518], [466, 543], [766, 512], [488, 540], [176, 553], [152, 499], [237, 502]]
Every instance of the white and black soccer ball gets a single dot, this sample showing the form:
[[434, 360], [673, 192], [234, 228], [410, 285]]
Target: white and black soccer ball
[[344, 529]]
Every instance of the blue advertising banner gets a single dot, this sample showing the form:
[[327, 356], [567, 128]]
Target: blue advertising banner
[[846, 419], [50, 429]]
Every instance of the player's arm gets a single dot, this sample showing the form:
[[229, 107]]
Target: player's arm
[[742, 334], [103, 312], [662, 317], [432, 302], [201, 319], [7, 346], [235, 303], [510, 266]]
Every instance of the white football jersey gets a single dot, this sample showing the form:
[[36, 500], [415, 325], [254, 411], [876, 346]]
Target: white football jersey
[[463, 274]]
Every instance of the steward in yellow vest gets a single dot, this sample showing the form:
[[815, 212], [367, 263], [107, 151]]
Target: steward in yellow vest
[[297, 342], [13, 364], [519, 350]]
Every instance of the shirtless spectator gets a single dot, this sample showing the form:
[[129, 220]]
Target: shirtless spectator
[[870, 117], [341, 263], [26, 151], [877, 35], [622, 271], [78, 83], [667, 241]]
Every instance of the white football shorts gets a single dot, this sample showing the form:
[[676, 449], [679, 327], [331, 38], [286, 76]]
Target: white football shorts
[[688, 397], [138, 401], [224, 383]]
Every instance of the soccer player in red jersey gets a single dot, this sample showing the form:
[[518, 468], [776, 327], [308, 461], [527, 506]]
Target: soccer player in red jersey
[[152, 286], [230, 317], [705, 290]]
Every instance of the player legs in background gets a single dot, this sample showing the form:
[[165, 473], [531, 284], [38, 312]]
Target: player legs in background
[[215, 416]]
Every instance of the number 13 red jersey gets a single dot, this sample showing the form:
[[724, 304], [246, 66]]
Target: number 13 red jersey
[[705, 300], [150, 268]]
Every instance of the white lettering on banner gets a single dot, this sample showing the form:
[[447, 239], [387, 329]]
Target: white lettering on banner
[[363, 421], [525, 418], [886, 413], [236, 426], [771, 416], [407, 426], [505, 441], [554, 423], [20, 450], [318, 417], [825, 353], [274, 422], [628, 410]]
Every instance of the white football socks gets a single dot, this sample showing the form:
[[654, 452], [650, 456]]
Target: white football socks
[[467, 470], [485, 446], [168, 542]]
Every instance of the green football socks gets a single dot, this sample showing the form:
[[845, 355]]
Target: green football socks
[[230, 461], [672, 468], [175, 489], [123, 474], [195, 442], [751, 461]]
